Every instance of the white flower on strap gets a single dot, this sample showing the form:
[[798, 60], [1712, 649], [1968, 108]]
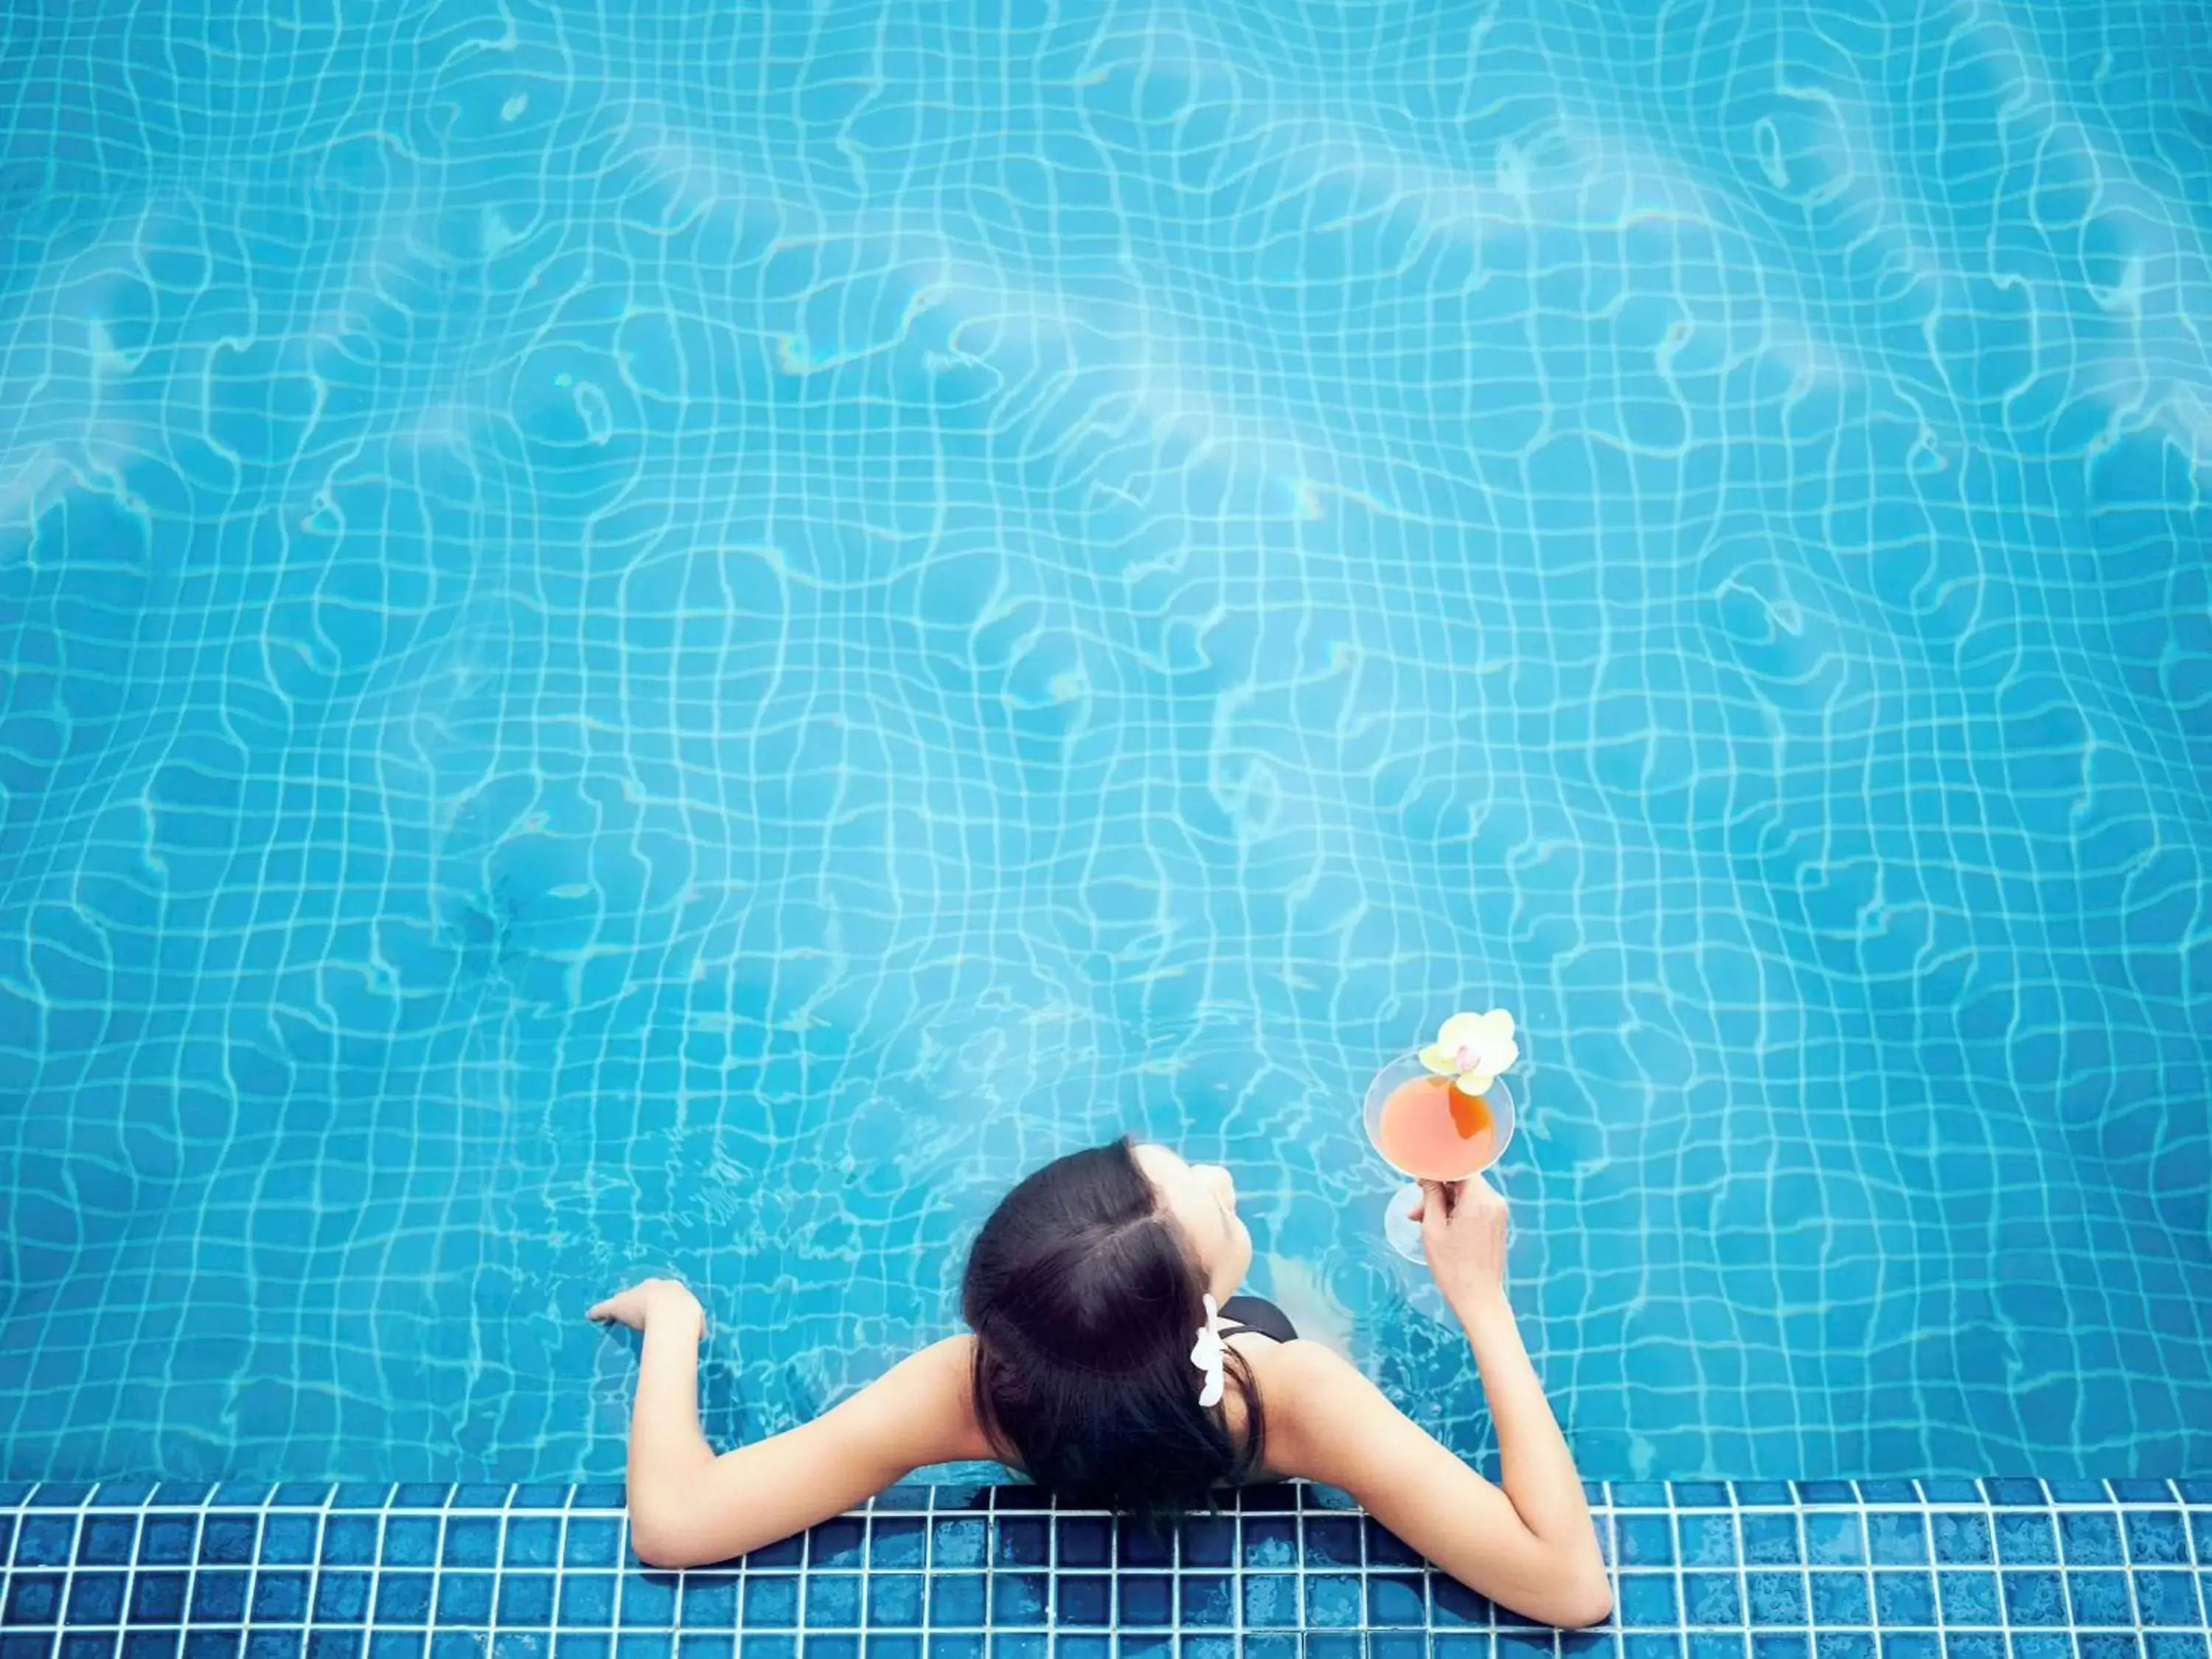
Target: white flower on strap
[[1207, 1355]]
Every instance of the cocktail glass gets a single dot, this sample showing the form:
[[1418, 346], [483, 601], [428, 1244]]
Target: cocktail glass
[[1436, 1156]]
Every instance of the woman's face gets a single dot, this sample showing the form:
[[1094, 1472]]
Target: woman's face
[[1201, 1199]]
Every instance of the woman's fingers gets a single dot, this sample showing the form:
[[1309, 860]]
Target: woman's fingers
[[1438, 1199]]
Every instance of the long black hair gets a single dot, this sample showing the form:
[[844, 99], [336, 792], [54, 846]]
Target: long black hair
[[1085, 1302]]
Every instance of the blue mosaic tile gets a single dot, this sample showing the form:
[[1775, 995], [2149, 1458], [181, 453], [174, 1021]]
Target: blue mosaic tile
[[1835, 1540], [158, 1598], [1897, 1538], [1386, 1549], [1712, 1598], [471, 1541], [44, 1540], [595, 1542], [1838, 1598], [353, 1540], [955, 1599], [2090, 1537], [588, 1600], [1271, 1601], [1961, 1538], [953, 1543], [1269, 1543], [1967, 1598], [2034, 1598], [1771, 1541], [1646, 1599], [1211, 1540], [525, 1599], [219, 1595], [2042, 1645], [1775, 1598], [96, 1598], [230, 1540], [2156, 1537], [280, 1597], [106, 1539], [342, 1598], [1331, 1600], [2099, 1598], [1904, 1599], [403, 1598], [2026, 1539], [2167, 1598], [411, 1540], [464, 1598], [1643, 1540], [1707, 1540], [1140, 1548], [167, 1538]]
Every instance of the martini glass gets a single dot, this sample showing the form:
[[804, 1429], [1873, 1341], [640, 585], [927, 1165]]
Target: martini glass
[[1425, 1127]]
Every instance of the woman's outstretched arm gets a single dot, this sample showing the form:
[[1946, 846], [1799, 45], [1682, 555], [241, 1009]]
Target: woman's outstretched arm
[[688, 1506], [1530, 1545]]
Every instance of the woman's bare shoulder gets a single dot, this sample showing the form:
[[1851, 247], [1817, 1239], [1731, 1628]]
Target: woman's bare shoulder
[[944, 1388], [1300, 1386]]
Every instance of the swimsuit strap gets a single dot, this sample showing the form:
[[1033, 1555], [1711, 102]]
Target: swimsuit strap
[[1257, 1314]]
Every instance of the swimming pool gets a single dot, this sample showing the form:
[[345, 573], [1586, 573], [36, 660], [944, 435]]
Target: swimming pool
[[679, 638]]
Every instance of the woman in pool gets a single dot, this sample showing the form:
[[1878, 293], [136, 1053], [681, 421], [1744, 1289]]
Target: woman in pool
[[1096, 1365]]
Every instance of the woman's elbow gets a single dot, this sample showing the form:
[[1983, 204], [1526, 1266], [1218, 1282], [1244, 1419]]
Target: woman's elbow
[[1588, 1604], [654, 1547], [663, 1542]]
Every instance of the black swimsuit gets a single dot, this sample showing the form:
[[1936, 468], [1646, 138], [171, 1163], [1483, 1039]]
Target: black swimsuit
[[1257, 1313]]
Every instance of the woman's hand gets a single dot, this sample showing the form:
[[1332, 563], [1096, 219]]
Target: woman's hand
[[1463, 1230], [651, 1299]]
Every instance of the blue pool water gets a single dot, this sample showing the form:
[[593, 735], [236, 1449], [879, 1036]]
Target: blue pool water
[[660, 636]]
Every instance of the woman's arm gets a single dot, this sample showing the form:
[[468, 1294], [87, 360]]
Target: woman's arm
[[688, 1507], [1530, 1547]]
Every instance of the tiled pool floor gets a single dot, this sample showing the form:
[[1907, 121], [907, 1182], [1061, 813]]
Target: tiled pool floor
[[1823, 1570]]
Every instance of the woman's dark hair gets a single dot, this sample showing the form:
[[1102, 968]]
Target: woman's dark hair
[[1086, 1304]]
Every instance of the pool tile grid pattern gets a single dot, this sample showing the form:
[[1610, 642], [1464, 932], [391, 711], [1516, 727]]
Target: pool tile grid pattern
[[1993, 1569]]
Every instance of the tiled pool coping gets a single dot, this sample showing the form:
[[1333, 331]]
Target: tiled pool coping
[[1993, 1569]]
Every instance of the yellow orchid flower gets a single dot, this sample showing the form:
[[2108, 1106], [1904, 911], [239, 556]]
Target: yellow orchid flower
[[1474, 1048]]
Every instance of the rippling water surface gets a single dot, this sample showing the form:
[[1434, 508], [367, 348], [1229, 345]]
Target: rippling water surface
[[650, 636]]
